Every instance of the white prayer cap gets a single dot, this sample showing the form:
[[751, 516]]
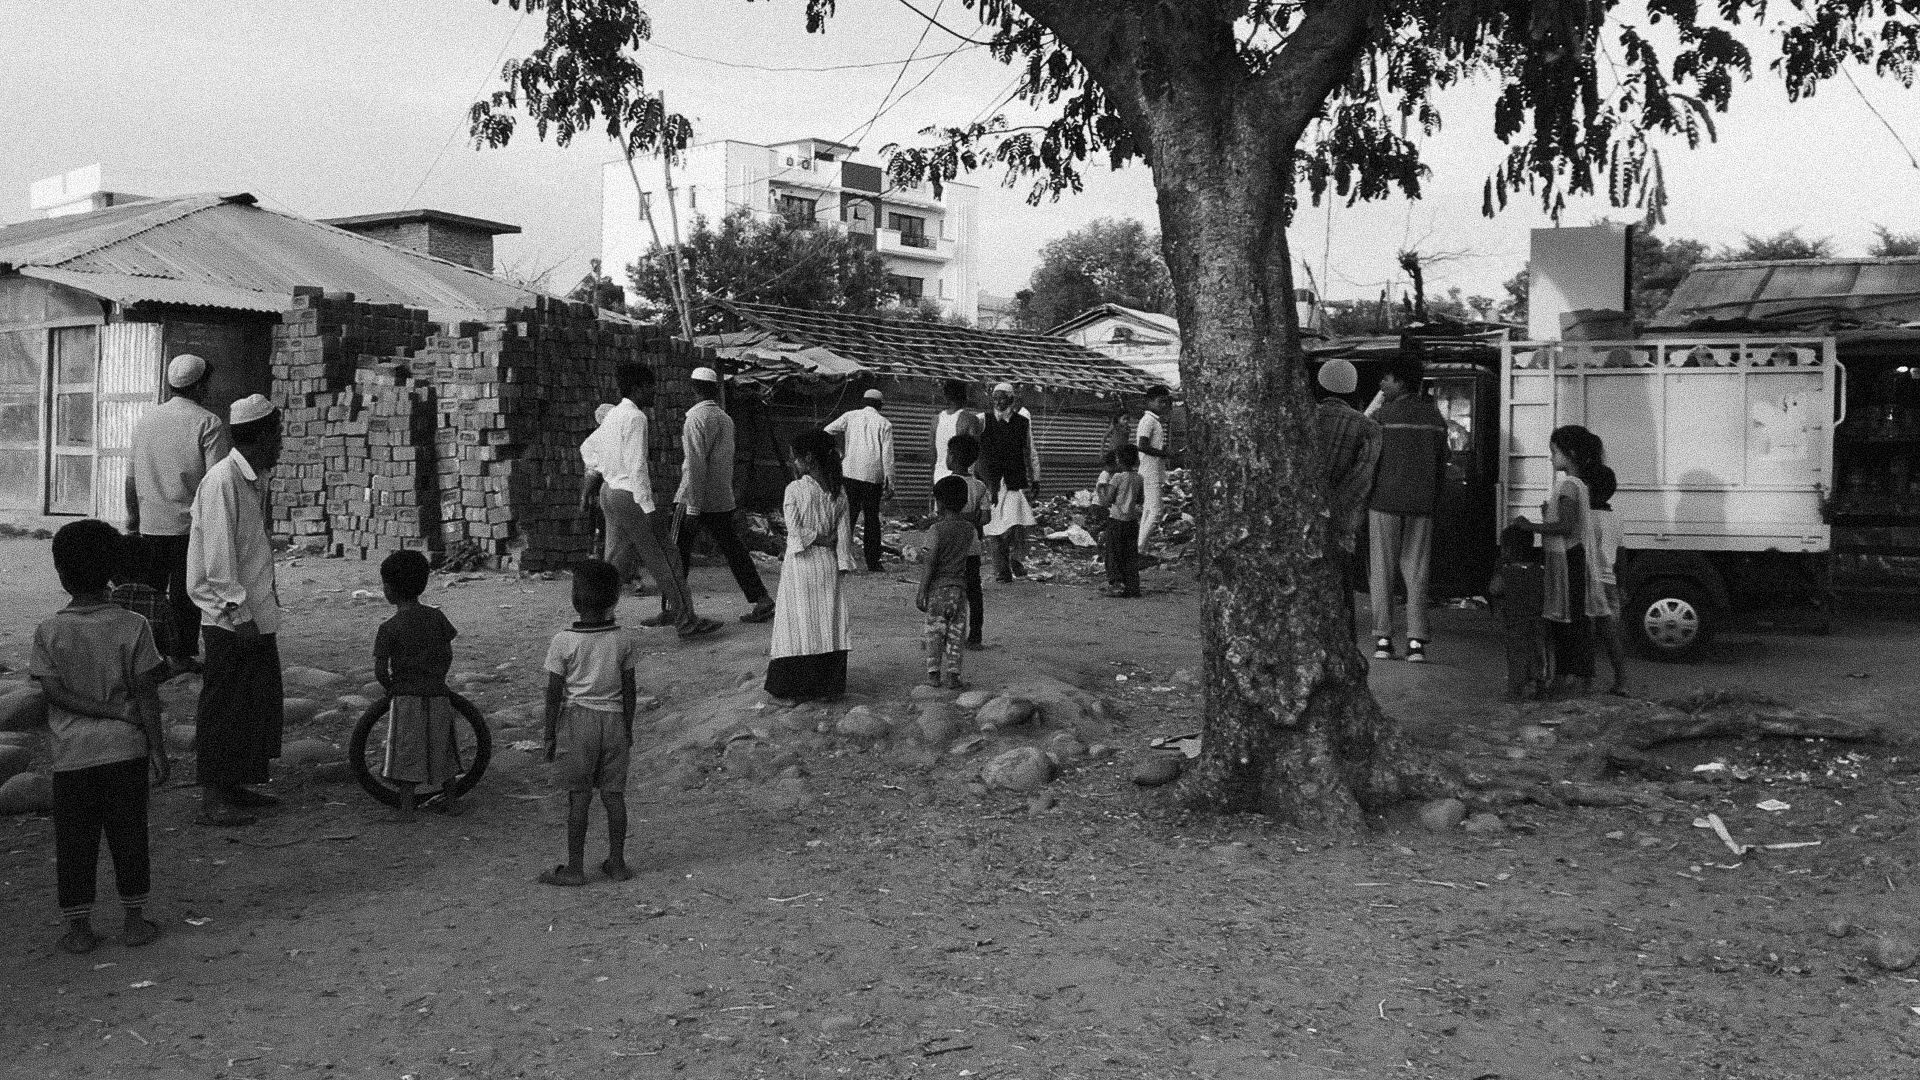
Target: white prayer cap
[[1338, 377], [1003, 388], [705, 374], [874, 395], [185, 370], [600, 412], [248, 409]]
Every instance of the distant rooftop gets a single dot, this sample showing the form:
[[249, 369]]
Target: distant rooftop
[[404, 217]]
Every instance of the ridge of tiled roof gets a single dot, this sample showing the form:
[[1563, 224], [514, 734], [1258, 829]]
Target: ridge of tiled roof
[[903, 349]]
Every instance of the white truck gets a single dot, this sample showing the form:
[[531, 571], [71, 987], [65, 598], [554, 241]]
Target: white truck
[[1723, 448]]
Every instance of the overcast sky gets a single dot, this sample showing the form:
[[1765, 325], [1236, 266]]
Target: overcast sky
[[328, 108]]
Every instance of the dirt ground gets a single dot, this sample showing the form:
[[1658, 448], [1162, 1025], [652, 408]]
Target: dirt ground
[[813, 905]]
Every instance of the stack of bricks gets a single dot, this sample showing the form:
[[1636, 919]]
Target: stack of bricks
[[457, 436]]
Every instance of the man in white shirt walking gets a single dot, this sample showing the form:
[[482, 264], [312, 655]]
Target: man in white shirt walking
[[866, 466], [1151, 438], [230, 578], [174, 444], [617, 470], [705, 497]]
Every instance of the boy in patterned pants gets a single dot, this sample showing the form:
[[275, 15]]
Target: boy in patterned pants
[[943, 583]]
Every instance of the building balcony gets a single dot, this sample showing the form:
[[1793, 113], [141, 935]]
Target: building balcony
[[919, 196], [914, 246]]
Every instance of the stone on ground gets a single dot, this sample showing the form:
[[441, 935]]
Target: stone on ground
[[861, 723], [1443, 815], [1005, 712], [1065, 747], [1022, 769], [23, 710], [299, 710], [27, 793], [309, 752], [940, 723], [1157, 769], [14, 760], [332, 772], [1485, 824], [356, 703], [312, 678], [973, 699], [1891, 952], [928, 692]]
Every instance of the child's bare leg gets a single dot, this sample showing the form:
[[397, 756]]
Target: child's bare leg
[[403, 813], [79, 937], [1608, 628], [615, 866], [579, 805], [136, 930]]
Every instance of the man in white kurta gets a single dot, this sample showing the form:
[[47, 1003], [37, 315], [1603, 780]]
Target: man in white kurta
[[174, 444], [866, 466], [1151, 439], [230, 578]]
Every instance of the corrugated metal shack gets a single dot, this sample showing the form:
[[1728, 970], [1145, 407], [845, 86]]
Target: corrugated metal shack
[[801, 369]]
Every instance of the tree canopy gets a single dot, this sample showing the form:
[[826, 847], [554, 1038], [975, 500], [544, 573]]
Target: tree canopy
[[1106, 261], [774, 261], [1782, 246]]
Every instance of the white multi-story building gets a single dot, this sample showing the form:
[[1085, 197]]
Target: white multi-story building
[[929, 243]]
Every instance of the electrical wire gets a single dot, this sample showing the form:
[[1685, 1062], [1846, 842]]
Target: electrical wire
[[934, 20], [1883, 120], [827, 67], [461, 123]]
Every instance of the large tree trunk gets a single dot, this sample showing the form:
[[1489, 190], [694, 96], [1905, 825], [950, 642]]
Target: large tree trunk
[[1291, 728]]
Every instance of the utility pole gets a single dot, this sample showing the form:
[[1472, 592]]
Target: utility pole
[[646, 211], [679, 261]]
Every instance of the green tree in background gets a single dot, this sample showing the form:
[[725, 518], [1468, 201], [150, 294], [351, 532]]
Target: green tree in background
[[772, 261], [1658, 268], [1888, 244], [1106, 261], [1785, 245]]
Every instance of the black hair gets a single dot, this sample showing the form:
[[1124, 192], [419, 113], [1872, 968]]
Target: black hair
[[1405, 370], [634, 377], [1159, 391], [405, 574], [956, 392], [255, 432], [1601, 486], [1582, 447], [1126, 457], [819, 447], [596, 585], [951, 493], [962, 451], [1516, 544], [86, 555]]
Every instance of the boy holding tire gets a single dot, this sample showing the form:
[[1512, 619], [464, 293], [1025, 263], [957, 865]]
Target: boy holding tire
[[412, 653]]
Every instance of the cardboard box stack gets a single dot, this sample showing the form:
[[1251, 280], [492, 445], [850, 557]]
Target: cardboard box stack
[[446, 437]]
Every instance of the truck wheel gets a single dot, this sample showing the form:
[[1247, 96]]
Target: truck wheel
[[1670, 619]]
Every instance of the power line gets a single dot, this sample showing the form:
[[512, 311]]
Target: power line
[[826, 67], [455, 133], [1877, 116], [933, 20]]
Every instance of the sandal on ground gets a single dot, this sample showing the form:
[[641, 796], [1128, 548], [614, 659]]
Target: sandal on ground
[[563, 877], [616, 871], [665, 618], [700, 628], [1383, 648], [79, 940], [762, 612], [1416, 651], [140, 932]]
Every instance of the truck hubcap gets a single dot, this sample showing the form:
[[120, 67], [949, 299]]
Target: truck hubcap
[[1671, 623]]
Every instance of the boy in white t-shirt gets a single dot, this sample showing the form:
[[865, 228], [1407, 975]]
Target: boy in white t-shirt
[[591, 694], [1150, 438]]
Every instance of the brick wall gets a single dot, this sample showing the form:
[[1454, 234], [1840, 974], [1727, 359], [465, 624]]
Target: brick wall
[[403, 433], [469, 247]]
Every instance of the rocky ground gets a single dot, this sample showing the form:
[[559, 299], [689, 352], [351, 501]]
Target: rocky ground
[[884, 889]]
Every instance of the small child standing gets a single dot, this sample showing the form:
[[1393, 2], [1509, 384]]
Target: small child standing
[[1122, 493], [591, 696], [1606, 553], [943, 583], [1518, 590], [963, 451], [412, 653], [97, 665]]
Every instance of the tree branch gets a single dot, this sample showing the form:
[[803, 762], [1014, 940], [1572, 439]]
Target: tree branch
[[1318, 56]]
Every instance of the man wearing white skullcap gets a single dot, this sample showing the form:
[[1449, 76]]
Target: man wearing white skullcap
[[174, 444], [866, 466], [704, 501], [1010, 465], [230, 576], [1349, 450]]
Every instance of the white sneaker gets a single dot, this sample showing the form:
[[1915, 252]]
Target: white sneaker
[[1383, 648]]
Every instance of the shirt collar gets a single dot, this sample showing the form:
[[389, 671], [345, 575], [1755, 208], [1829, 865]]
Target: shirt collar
[[246, 468]]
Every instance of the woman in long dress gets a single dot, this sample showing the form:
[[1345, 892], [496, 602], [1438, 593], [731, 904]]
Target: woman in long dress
[[810, 635]]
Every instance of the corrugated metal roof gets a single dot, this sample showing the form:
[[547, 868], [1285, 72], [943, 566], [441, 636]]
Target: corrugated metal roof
[[921, 350], [224, 248], [1800, 293]]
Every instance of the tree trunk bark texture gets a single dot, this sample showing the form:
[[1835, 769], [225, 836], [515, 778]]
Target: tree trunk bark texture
[[1291, 730]]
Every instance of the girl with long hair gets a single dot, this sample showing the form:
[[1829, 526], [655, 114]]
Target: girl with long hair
[[1574, 595], [810, 635]]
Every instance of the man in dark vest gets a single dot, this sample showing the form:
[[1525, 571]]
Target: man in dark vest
[[1011, 469]]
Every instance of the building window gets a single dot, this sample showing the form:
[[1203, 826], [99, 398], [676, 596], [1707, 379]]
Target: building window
[[853, 211], [76, 363], [907, 224], [907, 288], [693, 198], [799, 212]]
